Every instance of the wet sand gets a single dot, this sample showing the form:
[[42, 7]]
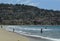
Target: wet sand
[[37, 39], [11, 36]]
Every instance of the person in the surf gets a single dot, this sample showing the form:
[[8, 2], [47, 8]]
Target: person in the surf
[[13, 29], [45, 27], [41, 30], [1, 26]]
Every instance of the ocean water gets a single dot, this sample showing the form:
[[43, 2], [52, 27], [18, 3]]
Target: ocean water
[[48, 32]]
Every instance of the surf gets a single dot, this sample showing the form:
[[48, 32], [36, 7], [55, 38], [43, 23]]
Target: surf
[[10, 28]]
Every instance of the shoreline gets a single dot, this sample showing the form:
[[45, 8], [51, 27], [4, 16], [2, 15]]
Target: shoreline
[[23, 36], [11, 36], [15, 35]]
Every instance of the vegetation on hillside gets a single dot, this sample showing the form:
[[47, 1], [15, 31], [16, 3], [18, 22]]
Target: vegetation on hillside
[[20, 14]]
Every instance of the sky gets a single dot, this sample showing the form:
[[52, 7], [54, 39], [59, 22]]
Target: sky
[[45, 4]]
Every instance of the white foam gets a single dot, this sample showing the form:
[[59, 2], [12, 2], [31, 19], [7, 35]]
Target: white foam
[[35, 29], [11, 27], [37, 36], [40, 37], [47, 29]]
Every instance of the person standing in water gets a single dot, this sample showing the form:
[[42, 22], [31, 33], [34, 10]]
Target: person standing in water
[[41, 30], [45, 27], [13, 29], [1, 26]]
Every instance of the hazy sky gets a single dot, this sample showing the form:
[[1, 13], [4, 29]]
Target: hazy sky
[[47, 4]]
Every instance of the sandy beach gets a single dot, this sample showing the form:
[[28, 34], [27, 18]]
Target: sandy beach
[[10, 36]]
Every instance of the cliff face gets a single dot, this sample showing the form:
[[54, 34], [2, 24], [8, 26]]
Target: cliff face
[[24, 14]]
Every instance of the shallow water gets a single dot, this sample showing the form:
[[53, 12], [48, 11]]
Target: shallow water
[[50, 31]]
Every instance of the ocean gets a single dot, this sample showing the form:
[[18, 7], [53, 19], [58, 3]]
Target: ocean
[[48, 32]]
